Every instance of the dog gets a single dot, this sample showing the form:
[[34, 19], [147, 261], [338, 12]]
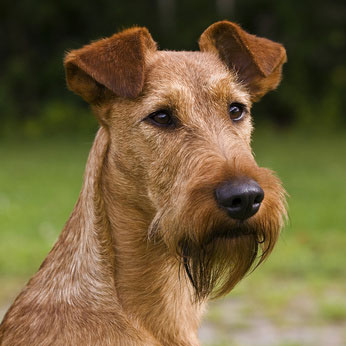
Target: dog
[[174, 209]]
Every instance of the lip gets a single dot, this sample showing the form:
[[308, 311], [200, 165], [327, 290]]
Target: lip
[[230, 234]]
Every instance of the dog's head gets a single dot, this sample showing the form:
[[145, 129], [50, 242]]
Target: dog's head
[[179, 126]]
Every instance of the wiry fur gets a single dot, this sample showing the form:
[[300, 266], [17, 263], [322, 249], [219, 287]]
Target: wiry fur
[[147, 244]]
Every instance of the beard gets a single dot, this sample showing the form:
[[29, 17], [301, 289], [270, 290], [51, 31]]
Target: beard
[[216, 264]]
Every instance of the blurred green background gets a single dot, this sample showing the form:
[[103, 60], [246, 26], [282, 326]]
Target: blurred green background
[[298, 297]]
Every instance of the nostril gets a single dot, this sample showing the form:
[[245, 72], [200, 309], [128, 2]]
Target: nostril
[[259, 198], [236, 202]]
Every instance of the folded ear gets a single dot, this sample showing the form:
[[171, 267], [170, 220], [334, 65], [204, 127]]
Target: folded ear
[[116, 63], [257, 61]]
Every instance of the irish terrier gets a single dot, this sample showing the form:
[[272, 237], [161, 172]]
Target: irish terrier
[[174, 209]]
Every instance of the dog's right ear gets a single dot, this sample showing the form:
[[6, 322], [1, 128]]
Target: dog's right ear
[[256, 60], [116, 63]]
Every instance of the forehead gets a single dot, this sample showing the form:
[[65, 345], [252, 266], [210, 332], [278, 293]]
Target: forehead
[[195, 73]]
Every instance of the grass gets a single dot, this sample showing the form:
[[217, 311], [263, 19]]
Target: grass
[[303, 283], [39, 184]]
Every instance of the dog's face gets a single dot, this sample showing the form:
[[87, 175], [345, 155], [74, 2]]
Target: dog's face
[[185, 123]]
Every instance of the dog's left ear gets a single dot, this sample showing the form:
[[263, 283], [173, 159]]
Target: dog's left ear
[[257, 61], [116, 63]]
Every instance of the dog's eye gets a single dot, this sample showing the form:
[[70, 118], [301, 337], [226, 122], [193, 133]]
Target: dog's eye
[[162, 118], [236, 111]]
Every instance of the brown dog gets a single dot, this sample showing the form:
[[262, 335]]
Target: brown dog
[[174, 208]]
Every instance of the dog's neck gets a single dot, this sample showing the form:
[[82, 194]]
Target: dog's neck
[[103, 264], [148, 281]]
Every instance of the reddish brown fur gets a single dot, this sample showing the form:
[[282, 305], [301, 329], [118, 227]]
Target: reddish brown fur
[[146, 221], [258, 61], [116, 62]]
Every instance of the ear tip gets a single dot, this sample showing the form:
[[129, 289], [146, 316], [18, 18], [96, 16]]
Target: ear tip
[[219, 29], [69, 57], [281, 56], [223, 25], [283, 53], [142, 33]]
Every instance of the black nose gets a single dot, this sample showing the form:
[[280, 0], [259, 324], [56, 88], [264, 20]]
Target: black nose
[[240, 197]]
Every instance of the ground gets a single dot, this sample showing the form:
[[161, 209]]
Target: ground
[[296, 298]]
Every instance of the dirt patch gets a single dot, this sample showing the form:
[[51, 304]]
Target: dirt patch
[[234, 323]]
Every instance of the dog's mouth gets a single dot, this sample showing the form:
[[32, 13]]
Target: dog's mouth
[[215, 252], [229, 234]]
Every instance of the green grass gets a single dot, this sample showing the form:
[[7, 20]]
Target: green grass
[[313, 169], [303, 283], [39, 184]]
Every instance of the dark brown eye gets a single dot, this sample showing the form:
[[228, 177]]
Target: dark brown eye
[[236, 111], [161, 118]]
